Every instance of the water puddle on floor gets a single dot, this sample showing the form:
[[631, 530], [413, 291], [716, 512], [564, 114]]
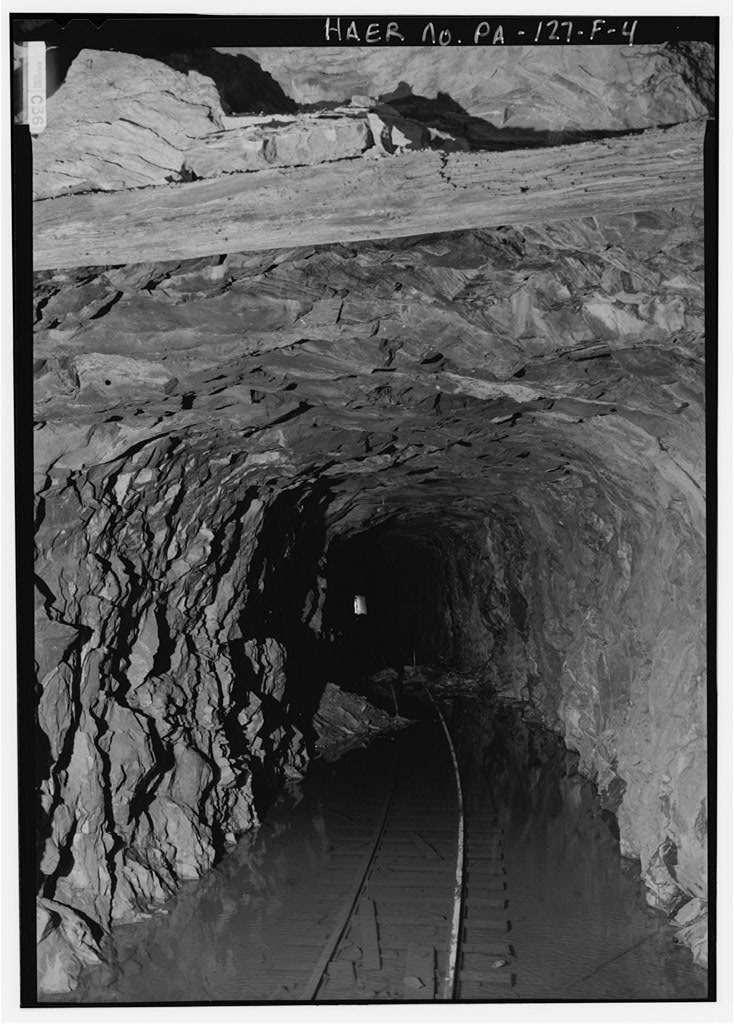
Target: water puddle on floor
[[580, 924], [251, 929]]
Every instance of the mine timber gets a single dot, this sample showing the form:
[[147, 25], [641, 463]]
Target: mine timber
[[361, 199]]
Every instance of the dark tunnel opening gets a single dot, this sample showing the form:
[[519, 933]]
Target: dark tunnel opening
[[402, 574]]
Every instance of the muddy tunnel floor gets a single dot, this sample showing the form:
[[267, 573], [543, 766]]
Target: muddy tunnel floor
[[551, 910]]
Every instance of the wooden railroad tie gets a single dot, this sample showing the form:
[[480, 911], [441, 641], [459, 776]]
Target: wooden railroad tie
[[419, 981], [368, 931]]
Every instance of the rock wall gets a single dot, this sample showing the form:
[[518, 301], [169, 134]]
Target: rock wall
[[131, 120], [527, 401], [140, 122], [612, 650], [162, 721], [555, 88]]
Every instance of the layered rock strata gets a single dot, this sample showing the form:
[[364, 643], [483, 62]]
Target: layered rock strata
[[518, 409]]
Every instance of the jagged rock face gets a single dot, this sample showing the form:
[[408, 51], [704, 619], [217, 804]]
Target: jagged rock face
[[528, 404], [132, 122], [159, 713], [139, 122], [66, 943], [496, 434], [546, 88]]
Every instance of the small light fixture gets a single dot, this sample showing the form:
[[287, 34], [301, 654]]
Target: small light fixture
[[360, 604]]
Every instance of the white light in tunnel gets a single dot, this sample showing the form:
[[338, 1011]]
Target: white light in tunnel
[[360, 604]]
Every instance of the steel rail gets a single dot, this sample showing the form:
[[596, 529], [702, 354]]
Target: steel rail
[[347, 909], [449, 985]]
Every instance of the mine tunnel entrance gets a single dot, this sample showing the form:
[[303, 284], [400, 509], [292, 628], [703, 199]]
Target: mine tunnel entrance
[[403, 578]]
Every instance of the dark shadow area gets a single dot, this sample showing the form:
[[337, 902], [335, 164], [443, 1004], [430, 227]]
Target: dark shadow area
[[283, 602], [403, 109], [276, 730], [581, 925], [402, 576], [243, 86], [696, 70]]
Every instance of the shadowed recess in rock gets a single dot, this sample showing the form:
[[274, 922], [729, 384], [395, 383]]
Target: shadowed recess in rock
[[242, 85]]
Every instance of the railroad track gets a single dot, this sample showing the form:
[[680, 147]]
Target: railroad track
[[427, 914], [487, 960]]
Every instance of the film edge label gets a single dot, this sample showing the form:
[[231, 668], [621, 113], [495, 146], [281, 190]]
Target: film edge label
[[34, 86]]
